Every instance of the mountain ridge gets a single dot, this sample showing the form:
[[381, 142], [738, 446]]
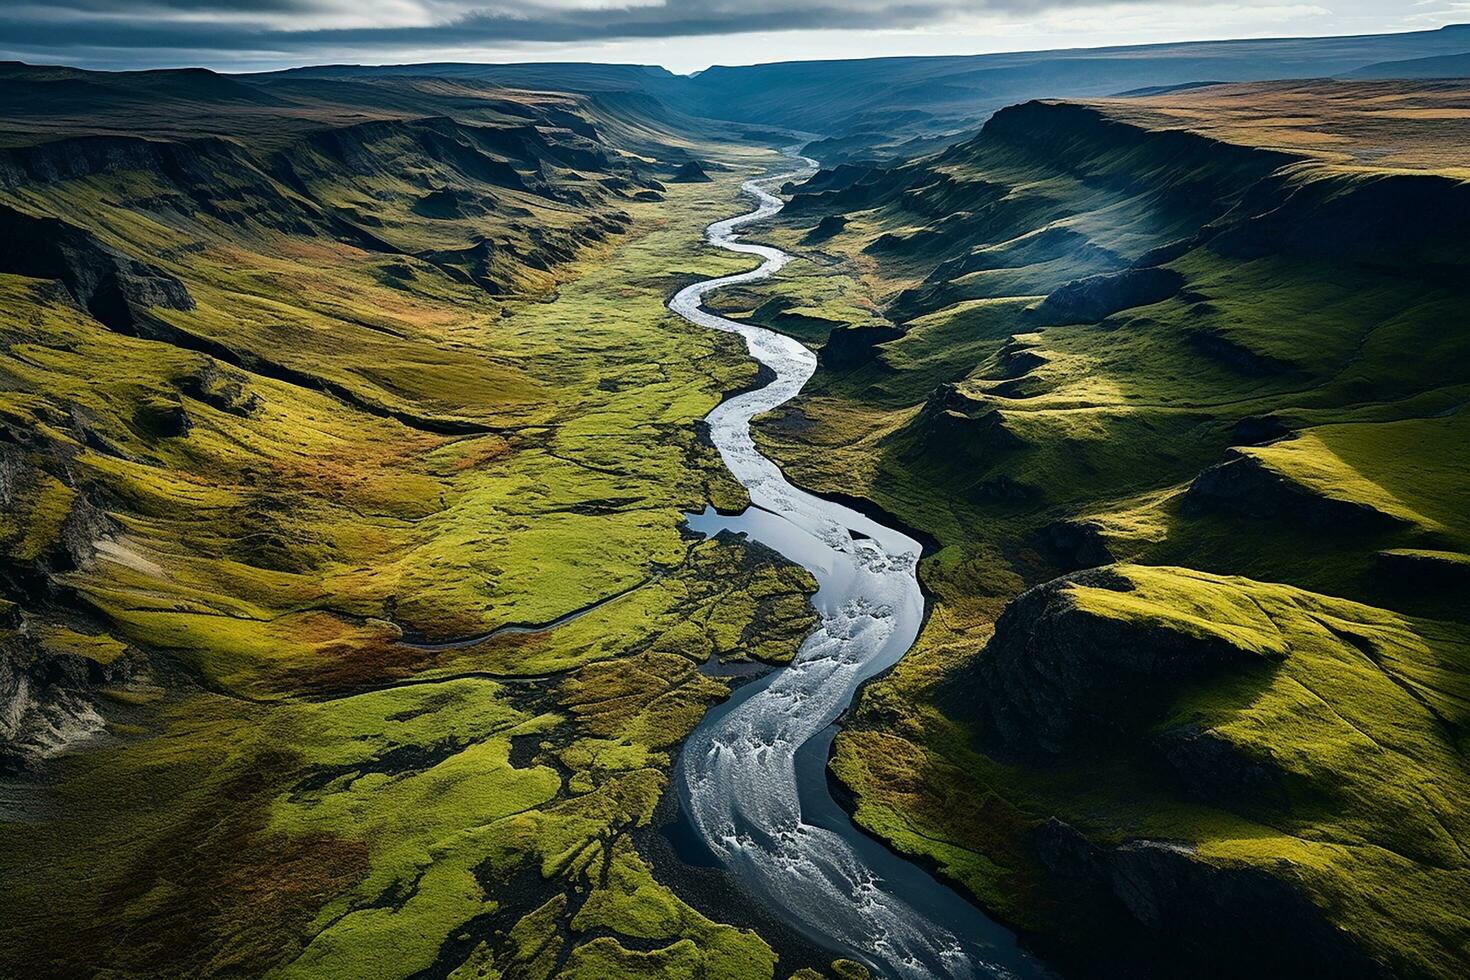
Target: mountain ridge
[[1225, 452]]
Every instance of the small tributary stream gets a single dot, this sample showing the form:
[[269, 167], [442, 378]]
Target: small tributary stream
[[752, 776]]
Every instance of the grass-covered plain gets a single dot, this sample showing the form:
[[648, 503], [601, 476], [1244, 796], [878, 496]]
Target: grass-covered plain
[[1222, 339]]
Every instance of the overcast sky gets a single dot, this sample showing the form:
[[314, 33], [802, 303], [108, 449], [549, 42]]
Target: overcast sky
[[682, 35]]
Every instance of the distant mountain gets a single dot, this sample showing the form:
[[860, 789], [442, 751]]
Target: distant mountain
[[273, 109], [1437, 66], [870, 107], [846, 97], [563, 76]]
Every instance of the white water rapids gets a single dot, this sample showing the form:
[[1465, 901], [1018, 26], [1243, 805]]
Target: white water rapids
[[743, 779]]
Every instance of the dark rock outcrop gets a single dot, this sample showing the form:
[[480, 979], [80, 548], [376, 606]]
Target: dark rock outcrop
[[1215, 770], [1058, 675], [447, 203], [1098, 297], [846, 187], [1243, 486], [1012, 368], [837, 178], [1016, 359], [476, 265], [1159, 902], [1258, 430], [1075, 545], [945, 428], [691, 173], [1028, 386], [85, 526], [161, 418], [48, 700], [850, 347], [829, 226], [109, 285], [221, 389]]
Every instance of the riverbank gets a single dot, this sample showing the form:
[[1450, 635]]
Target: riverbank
[[751, 787]]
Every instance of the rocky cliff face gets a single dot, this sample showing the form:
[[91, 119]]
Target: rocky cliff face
[[850, 347], [1260, 708], [1062, 672], [1097, 297], [48, 699], [113, 287], [50, 669], [1413, 222], [1164, 904], [1244, 486]]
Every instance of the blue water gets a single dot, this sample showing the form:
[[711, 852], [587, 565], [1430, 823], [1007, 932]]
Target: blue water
[[752, 777]]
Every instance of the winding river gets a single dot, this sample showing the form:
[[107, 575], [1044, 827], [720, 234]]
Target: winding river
[[752, 776]]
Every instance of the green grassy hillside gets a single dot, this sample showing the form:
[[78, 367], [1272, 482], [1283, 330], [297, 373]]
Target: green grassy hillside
[[1212, 337], [297, 408]]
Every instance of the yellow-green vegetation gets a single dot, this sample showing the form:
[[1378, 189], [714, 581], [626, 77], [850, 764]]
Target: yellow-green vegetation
[[348, 626], [1151, 331], [1339, 757], [1381, 466], [809, 302], [363, 394], [1389, 124]]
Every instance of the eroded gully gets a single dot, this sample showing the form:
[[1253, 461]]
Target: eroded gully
[[752, 776]]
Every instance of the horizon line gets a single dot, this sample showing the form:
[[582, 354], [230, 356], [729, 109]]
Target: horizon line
[[752, 64]]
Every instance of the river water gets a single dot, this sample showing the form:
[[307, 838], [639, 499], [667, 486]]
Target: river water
[[752, 776]]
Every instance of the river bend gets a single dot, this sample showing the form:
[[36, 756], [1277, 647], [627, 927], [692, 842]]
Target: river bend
[[751, 777]]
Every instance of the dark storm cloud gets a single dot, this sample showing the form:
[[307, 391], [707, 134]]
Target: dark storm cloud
[[307, 28]]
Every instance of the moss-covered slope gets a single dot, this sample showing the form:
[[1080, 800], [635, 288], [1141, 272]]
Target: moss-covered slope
[[1143, 331], [313, 437]]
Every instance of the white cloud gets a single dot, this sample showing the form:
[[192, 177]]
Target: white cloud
[[681, 34]]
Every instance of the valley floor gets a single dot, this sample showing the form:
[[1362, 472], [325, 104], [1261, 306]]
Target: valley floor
[[250, 727]]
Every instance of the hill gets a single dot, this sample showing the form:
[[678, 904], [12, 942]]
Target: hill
[[1209, 344], [346, 443], [882, 108], [1434, 66], [309, 389]]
